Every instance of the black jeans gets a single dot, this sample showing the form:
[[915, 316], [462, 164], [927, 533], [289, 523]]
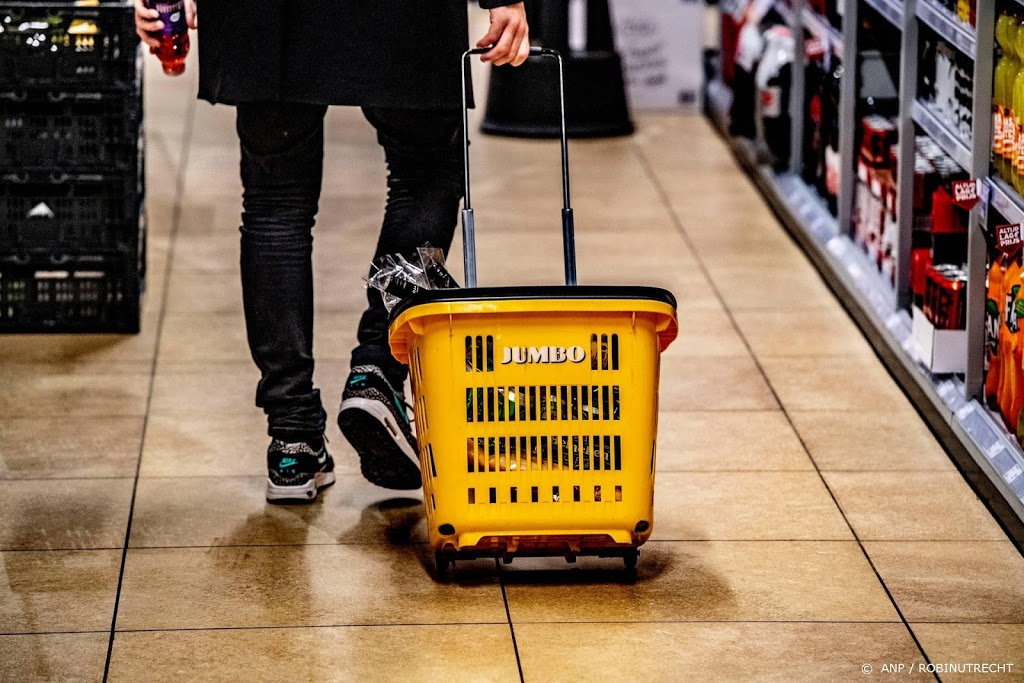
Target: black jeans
[[282, 168]]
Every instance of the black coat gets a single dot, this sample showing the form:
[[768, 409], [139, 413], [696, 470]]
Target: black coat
[[380, 53]]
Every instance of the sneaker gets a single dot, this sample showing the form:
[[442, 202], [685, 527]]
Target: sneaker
[[375, 420], [296, 472]]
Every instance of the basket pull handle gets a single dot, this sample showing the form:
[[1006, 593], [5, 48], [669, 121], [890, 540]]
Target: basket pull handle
[[468, 223]]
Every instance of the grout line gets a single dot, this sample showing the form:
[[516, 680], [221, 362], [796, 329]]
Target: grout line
[[179, 187], [422, 544], [52, 633], [187, 629], [652, 176], [508, 615]]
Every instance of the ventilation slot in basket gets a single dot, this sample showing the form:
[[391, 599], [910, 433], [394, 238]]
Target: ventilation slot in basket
[[604, 352], [510, 494], [554, 403], [496, 454], [480, 354]]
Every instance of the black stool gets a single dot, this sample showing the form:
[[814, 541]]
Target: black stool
[[521, 101]]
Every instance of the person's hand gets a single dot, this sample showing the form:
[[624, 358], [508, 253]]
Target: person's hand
[[509, 34], [148, 20]]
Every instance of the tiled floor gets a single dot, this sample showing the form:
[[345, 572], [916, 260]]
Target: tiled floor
[[807, 522]]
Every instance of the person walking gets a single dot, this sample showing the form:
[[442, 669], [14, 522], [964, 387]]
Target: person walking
[[282, 63]]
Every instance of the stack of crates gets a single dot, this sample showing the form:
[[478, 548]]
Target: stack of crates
[[72, 220]]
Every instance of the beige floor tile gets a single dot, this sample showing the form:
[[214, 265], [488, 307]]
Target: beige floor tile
[[53, 657], [215, 125], [715, 652], [834, 383], [213, 171], [743, 244], [315, 585], [707, 332], [779, 288], [215, 511], [352, 653], [913, 506], [201, 446], [826, 332], [221, 337], [52, 591], [728, 441], [77, 514], [205, 389], [228, 388], [875, 440], [993, 644], [705, 581], [729, 383], [957, 581], [744, 506], [82, 348], [36, 391], [39, 448]]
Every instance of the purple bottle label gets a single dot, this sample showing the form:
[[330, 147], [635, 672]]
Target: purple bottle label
[[172, 14]]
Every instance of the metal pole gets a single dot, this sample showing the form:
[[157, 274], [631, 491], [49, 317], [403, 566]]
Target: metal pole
[[977, 249], [848, 118], [798, 89], [905, 171]]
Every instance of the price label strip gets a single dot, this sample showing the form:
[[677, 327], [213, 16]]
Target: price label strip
[[947, 26], [892, 10]]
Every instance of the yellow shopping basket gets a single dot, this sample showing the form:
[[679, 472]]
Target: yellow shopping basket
[[536, 409]]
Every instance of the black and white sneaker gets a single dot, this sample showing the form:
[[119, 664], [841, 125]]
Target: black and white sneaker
[[375, 420], [296, 472]]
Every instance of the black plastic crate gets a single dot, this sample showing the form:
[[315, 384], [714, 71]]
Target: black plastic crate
[[62, 45], [65, 130], [77, 296], [69, 213]]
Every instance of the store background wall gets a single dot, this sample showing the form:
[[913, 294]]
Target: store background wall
[[662, 46]]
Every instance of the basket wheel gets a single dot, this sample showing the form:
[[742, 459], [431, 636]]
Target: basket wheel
[[630, 558], [442, 565]]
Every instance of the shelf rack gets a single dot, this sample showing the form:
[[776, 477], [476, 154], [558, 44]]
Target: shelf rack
[[989, 456]]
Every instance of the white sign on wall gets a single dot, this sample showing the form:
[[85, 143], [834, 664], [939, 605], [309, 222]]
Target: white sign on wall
[[662, 47]]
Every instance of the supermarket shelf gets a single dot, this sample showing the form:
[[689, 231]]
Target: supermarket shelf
[[819, 27], [892, 10], [784, 11], [987, 454], [1003, 199], [951, 143], [719, 102], [961, 35]]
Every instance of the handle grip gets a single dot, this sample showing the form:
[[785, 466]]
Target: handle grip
[[468, 222]]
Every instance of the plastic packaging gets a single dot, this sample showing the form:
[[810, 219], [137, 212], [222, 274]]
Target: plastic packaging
[[397, 278]]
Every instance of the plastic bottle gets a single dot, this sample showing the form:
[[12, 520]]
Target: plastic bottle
[[1011, 123], [1016, 94], [173, 37], [999, 108]]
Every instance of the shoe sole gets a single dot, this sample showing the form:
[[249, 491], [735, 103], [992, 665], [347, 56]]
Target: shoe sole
[[386, 457], [306, 493]]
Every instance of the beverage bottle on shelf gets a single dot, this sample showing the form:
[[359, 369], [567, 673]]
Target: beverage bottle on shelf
[[1016, 95], [994, 303], [1011, 373], [1000, 110], [174, 43], [1011, 121]]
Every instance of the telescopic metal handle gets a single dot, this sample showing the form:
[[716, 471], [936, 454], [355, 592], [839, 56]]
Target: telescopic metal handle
[[468, 223]]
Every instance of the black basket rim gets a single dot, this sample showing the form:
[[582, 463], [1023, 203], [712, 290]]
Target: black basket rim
[[610, 292]]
